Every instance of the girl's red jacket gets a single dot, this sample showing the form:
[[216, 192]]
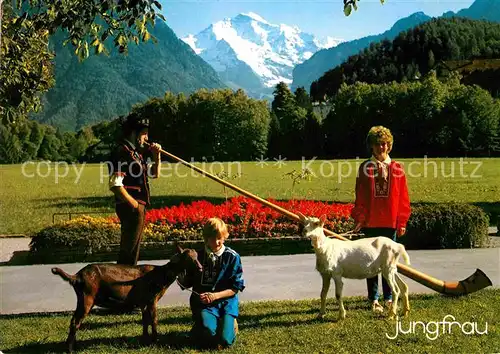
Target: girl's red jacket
[[381, 202]]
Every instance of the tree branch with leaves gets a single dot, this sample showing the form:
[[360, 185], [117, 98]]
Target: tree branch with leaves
[[349, 5], [90, 23], [26, 61]]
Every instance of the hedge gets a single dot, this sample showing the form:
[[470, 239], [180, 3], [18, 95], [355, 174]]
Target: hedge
[[87, 233], [432, 226], [436, 226]]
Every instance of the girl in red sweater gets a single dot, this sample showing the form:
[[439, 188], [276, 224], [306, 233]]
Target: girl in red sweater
[[382, 206]]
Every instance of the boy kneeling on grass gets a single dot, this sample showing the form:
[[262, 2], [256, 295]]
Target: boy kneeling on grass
[[214, 301]]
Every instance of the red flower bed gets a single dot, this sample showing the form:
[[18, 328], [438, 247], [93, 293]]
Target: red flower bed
[[247, 218]]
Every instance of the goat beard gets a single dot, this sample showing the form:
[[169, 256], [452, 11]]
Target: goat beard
[[316, 242]]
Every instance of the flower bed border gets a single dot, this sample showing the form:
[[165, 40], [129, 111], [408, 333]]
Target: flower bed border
[[286, 245]]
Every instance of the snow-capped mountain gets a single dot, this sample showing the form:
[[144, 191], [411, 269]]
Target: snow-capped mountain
[[248, 52]]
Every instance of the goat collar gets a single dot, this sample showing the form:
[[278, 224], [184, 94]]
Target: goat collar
[[170, 273], [185, 288]]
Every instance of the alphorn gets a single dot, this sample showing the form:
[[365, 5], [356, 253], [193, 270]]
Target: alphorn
[[473, 283]]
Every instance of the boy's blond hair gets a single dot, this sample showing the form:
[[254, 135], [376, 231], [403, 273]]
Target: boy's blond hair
[[215, 228], [379, 134]]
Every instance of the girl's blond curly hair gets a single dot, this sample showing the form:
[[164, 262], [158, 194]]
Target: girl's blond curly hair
[[379, 134]]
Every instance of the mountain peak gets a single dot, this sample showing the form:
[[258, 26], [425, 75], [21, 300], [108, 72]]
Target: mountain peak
[[269, 51], [483, 10], [413, 20], [253, 16], [419, 16], [478, 2], [289, 30]]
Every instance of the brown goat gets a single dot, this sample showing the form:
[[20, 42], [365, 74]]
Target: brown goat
[[123, 287]]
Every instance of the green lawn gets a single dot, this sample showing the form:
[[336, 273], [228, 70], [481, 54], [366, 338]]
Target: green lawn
[[28, 200], [278, 327]]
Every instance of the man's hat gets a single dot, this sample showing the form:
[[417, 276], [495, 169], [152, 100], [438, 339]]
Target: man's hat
[[133, 121]]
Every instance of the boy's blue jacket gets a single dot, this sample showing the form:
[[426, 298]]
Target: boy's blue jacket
[[229, 276]]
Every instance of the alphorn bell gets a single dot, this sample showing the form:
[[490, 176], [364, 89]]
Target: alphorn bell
[[473, 283]]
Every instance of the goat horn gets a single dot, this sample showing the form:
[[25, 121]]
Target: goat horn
[[473, 283]]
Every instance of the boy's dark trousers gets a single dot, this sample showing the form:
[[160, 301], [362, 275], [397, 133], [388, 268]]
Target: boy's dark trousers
[[372, 283], [132, 226]]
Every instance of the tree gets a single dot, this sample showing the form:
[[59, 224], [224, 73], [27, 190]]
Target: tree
[[90, 23], [291, 121], [415, 52], [10, 148], [473, 118], [26, 67], [213, 125], [29, 140], [49, 149], [105, 135], [432, 61], [283, 98], [273, 142], [245, 127], [313, 136], [302, 98]]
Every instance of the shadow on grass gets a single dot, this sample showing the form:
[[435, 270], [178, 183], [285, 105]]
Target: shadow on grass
[[251, 321], [36, 315], [175, 339], [137, 319], [38, 348], [109, 204], [170, 340]]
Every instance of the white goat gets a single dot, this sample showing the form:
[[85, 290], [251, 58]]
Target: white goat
[[360, 259]]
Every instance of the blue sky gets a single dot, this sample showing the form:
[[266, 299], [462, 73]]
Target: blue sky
[[318, 17]]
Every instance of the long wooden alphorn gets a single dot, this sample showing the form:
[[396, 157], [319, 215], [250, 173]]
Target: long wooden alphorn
[[475, 282]]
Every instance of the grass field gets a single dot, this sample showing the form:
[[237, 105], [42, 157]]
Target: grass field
[[31, 193], [280, 327]]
